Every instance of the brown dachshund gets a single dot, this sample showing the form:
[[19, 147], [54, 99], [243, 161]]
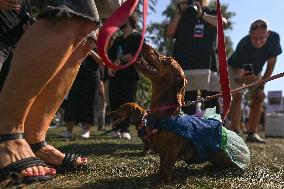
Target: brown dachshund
[[168, 89], [133, 114]]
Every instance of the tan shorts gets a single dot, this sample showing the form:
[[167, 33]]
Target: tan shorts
[[234, 85], [232, 77]]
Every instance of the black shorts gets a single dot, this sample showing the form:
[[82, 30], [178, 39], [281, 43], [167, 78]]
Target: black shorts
[[56, 8], [6, 54]]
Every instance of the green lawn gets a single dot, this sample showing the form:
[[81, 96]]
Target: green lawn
[[118, 163]]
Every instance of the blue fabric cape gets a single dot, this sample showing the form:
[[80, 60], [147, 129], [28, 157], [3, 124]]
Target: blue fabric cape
[[205, 134]]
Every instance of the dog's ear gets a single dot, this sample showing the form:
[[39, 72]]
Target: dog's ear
[[181, 91]]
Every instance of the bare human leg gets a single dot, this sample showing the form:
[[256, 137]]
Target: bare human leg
[[235, 111], [49, 100], [36, 62], [255, 113]]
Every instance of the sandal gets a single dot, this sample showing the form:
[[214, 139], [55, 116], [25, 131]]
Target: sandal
[[16, 167], [68, 163]]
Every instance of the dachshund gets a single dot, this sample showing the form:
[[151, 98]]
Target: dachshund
[[175, 135]]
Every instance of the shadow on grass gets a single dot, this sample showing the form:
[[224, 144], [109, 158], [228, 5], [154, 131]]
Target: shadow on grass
[[96, 146], [180, 176], [150, 181], [100, 149], [120, 183]]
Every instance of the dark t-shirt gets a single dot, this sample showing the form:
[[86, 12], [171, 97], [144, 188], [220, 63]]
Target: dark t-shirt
[[247, 54], [195, 52], [128, 45], [89, 71], [11, 24]]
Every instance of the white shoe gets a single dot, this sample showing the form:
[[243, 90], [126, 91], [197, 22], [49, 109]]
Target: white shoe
[[254, 137], [116, 134], [126, 135], [86, 134], [66, 134]]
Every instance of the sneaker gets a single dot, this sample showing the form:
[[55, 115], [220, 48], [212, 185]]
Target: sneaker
[[254, 137], [86, 134], [116, 134], [126, 135], [66, 134]]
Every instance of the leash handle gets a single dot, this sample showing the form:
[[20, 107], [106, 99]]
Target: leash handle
[[112, 24], [223, 66]]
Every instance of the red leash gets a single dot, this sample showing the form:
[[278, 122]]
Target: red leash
[[112, 25], [223, 66]]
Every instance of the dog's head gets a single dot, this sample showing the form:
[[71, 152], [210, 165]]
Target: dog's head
[[167, 77], [130, 112]]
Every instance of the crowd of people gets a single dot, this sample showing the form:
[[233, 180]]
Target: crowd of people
[[65, 50]]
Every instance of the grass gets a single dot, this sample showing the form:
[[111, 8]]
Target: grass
[[119, 164]]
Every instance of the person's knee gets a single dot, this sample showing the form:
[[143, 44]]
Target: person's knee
[[258, 96]]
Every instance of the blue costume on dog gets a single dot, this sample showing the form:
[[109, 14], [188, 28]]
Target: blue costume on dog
[[207, 134]]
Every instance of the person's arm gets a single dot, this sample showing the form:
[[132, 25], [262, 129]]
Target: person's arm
[[101, 88], [9, 5], [96, 58], [275, 51], [212, 20], [172, 26], [269, 68]]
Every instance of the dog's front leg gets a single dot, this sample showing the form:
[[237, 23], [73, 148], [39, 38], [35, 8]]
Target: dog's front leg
[[166, 167], [162, 158], [146, 146]]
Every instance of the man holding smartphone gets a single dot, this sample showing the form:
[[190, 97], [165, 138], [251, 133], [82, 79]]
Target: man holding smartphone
[[260, 46]]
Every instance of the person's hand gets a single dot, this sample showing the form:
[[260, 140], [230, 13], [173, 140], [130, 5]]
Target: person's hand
[[117, 62], [199, 9], [10, 5], [182, 5], [111, 72], [249, 78], [101, 89]]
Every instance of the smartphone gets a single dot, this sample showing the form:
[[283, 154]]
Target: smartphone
[[248, 68]]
